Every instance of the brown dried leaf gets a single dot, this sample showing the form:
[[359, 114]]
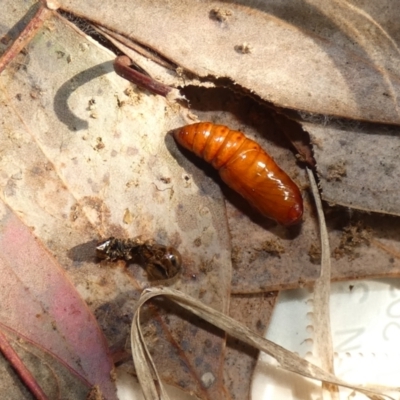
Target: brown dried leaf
[[358, 165], [322, 57], [79, 148], [362, 246]]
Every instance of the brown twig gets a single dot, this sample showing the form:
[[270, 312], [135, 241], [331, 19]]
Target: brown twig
[[122, 66], [25, 36], [26, 376]]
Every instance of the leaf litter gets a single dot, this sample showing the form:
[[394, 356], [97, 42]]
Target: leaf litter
[[147, 371], [341, 55], [299, 280]]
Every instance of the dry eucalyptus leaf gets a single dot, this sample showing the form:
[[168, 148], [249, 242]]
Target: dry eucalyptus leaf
[[274, 259], [45, 320], [320, 56], [80, 148], [358, 165], [56, 380]]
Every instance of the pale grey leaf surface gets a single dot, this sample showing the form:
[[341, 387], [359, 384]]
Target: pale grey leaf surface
[[358, 165], [81, 150], [320, 56]]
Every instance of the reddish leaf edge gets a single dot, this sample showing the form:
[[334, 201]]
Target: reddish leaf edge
[[26, 35], [22, 371], [8, 348]]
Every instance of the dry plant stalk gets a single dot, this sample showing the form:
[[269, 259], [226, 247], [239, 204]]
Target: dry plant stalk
[[322, 289]]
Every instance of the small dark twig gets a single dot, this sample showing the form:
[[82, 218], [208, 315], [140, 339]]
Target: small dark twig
[[122, 66]]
